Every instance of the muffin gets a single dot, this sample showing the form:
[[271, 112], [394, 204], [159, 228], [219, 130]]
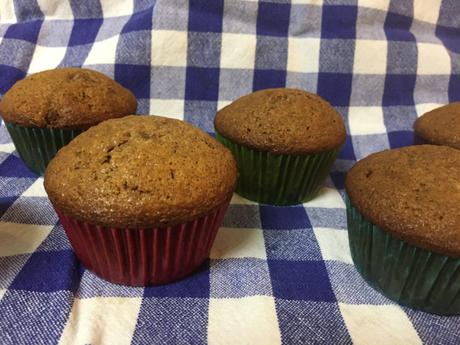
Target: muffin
[[440, 126], [403, 213], [284, 142], [142, 197], [46, 110]]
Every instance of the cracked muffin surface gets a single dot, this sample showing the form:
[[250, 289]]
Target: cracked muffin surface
[[140, 171], [66, 98]]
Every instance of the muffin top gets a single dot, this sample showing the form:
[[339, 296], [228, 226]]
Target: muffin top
[[440, 126], [412, 193], [66, 98], [140, 171], [282, 120]]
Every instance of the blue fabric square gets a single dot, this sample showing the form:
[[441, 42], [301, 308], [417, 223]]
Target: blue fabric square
[[308, 280], [202, 84], [5, 203], [268, 78], [305, 322], [195, 285], [201, 114], [33, 318], [242, 216], [14, 167], [205, 16], [399, 89], [397, 27], [49, 272], [16, 54], [273, 19], [400, 139], [84, 31], [236, 278], [172, 321], [139, 21], [27, 31], [135, 78], [364, 145], [86, 9], [57, 240], [92, 286], [31, 210], [27, 10], [438, 332], [339, 21], [338, 177], [347, 151], [75, 56], [335, 87], [346, 281], [9, 268], [401, 118], [203, 49], [292, 245], [454, 88], [280, 218], [13, 186], [271, 53], [449, 37], [132, 47]]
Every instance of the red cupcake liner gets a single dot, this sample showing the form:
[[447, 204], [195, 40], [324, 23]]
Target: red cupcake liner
[[144, 256]]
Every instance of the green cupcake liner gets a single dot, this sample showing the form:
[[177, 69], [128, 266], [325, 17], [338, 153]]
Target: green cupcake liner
[[279, 179], [407, 274], [37, 146]]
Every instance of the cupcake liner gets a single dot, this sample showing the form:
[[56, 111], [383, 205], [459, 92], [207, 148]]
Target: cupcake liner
[[37, 146], [407, 274], [144, 256], [279, 179]]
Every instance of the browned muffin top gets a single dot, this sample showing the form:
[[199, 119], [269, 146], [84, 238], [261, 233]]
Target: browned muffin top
[[66, 98], [140, 171], [282, 121], [413, 193], [441, 126]]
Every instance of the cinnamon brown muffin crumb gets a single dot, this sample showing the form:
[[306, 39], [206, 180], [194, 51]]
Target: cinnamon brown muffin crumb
[[412, 193], [282, 120], [140, 171], [441, 126], [66, 98]]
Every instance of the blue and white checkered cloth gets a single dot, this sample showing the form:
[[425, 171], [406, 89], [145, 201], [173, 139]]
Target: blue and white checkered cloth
[[276, 274]]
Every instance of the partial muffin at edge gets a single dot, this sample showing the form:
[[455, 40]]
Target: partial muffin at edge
[[440, 126], [412, 193]]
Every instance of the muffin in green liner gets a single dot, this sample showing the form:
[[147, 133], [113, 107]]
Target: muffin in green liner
[[37, 146], [404, 225], [276, 178], [284, 141], [46, 110]]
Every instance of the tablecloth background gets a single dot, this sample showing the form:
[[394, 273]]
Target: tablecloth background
[[275, 273]]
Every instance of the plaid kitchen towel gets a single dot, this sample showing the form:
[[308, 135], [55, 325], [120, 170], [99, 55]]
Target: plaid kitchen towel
[[276, 274]]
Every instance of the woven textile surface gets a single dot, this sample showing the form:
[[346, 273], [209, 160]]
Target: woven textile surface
[[275, 274]]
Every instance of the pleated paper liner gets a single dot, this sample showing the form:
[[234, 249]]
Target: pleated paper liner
[[279, 179], [37, 146], [146, 256], [409, 275]]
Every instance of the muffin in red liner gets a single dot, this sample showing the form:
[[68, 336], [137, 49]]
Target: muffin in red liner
[[143, 256], [141, 198]]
